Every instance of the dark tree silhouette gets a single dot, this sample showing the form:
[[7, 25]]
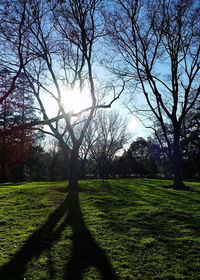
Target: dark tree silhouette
[[59, 45], [157, 44]]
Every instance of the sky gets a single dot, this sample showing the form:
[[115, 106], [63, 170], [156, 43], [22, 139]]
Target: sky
[[134, 126]]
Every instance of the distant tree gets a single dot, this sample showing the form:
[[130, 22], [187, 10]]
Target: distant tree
[[157, 47], [138, 156], [91, 137], [141, 159], [110, 134], [122, 166]]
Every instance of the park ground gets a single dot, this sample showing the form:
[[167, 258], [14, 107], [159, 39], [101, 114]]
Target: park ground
[[115, 229]]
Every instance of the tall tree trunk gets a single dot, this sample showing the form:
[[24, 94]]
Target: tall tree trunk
[[101, 169], [83, 168], [176, 162], [65, 165], [73, 186]]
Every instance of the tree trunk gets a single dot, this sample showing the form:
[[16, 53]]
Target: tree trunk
[[176, 163], [101, 169], [83, 167], [73, 186], [65, 167]]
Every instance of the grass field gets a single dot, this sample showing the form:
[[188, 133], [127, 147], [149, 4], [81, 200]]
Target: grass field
[[114, 229]]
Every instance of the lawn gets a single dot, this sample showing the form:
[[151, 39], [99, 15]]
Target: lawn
[[114, 229]]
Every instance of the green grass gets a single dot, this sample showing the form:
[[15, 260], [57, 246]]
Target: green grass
[[114, 229]]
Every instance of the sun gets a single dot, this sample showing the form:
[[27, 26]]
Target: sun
[[132, 124], [76, 100]]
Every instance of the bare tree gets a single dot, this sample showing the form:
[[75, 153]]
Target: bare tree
[[59, 41], [91, 137], [158, 48], [110, 134]]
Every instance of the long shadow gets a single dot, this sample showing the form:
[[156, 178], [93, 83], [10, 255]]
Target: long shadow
[[85, 251], [39, 241]]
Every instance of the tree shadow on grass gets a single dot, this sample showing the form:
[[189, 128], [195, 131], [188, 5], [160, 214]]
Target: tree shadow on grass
[[39, 241], [85, 251]]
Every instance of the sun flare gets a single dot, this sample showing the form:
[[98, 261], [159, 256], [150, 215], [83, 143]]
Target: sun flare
[[76, 100], [132, 124], [72, 100]]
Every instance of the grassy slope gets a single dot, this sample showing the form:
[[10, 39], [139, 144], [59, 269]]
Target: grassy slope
[[118, 229]]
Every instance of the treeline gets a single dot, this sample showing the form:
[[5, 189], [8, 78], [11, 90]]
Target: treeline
[[143, 158], [102, 153]]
